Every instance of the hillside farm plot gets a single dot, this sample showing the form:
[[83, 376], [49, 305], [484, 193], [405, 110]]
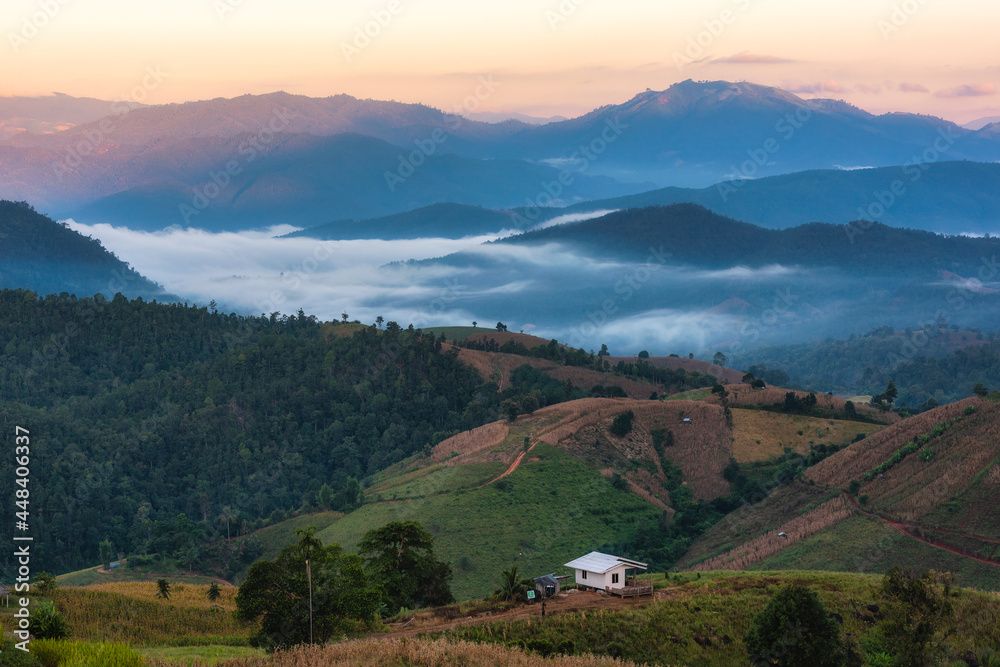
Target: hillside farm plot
[[759, 435], [548, 511]]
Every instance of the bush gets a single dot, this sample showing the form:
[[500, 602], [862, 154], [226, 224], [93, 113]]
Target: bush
[[10, 656], [47, 623], [622, 425], [795, 629]]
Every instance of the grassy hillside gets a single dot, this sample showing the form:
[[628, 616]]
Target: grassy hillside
[[925, 498], [548, 511]]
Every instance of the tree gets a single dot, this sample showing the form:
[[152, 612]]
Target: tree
[[980, 390], [474, 323], [914, 605], [719, 359], [106, 553], [622, 424], [501, 326], [227, 515], [343, 317], [793, 630], [400, 556], [378, 321], [512, 586], [276, 594], [748, 378], [214, 592], [45, 583], [604, 351], [163, 589], [644, 354]]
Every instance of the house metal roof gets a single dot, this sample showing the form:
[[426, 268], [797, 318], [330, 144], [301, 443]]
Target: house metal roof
[[547, 580], [595, 561]]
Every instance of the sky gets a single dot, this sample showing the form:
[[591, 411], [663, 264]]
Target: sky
[[546, 57]]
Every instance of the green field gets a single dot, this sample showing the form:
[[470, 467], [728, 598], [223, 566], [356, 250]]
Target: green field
[[198, 655], [92, 576], [866, 544], [546, 513]]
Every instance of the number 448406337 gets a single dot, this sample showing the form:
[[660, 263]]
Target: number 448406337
[[22, 452]]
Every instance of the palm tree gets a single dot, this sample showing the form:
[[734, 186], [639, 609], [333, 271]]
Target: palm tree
[[512, 587], [227, 515], [163, 589], [214, 592]]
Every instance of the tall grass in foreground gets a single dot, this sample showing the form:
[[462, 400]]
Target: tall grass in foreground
[[400, 652], [63, 653], [97, 615]]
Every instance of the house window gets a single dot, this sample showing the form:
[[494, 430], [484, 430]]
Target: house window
[[614, 578], [583, 574]]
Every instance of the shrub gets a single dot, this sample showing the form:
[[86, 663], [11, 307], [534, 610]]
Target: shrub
[[622, 425], [47, 623], [795, 629]]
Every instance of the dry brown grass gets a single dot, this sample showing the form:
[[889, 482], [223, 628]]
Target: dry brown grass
[[770, 543], [181, 595], [759, 435], [915, 487], [853, 462], [425, 652], [469, 443]]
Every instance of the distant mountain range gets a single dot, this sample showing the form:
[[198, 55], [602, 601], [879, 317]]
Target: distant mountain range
[[137, 168], [946, 197], [45, 114], [46, 257], [684, 273], [437, 220]]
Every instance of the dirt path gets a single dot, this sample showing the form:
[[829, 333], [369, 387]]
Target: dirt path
[[513, 466], [573, 602], [905, 528]]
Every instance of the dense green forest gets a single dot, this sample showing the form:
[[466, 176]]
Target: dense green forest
[[691, 234], [932, 366], [140, 412], [41, 254]]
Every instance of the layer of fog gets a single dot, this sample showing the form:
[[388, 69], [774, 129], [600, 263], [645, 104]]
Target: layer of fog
[[553, 290]]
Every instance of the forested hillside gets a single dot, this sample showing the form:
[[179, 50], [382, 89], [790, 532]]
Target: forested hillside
[[141, 412], [39, 254], [931, 366]]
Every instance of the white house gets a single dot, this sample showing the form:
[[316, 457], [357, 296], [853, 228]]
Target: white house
[[604, 571]]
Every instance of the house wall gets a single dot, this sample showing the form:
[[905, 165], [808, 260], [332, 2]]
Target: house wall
[[593, 580]]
